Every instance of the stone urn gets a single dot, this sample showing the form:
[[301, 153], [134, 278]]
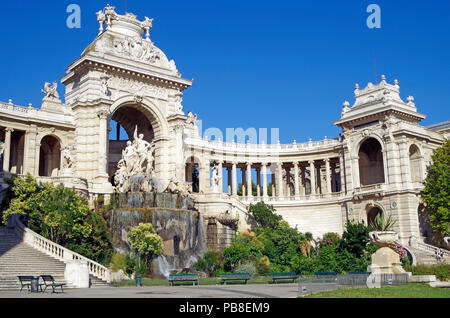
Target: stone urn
[[385, 260], [384, 238]]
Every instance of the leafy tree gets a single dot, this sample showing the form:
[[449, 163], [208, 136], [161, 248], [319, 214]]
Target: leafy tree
[[60, 215], [355, 238], [436, 193], [263, 215], [146, 243]]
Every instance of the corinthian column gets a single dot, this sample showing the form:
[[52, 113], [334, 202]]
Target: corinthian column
[[234, 169], [249, 180], [327, 174], [264, 172], [312, 176], [296, 183]]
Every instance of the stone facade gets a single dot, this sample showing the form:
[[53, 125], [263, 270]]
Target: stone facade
[[378, 163]]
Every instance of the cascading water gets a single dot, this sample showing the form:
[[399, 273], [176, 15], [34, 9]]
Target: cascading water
[[174, 219]]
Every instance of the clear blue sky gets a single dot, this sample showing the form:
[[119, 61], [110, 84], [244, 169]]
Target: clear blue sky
[[263, 64]]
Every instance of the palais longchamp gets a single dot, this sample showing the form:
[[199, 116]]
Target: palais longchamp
[[122, 81]]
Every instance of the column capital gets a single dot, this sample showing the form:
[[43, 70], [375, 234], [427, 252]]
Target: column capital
[[296, 163], [103, 113], [311, 162], [327, 160], [9, 129], [264, 164]]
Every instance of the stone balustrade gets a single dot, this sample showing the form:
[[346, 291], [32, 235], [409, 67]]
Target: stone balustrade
[[52, 249]]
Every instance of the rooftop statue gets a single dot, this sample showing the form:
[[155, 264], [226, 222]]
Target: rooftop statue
[[50, 91]]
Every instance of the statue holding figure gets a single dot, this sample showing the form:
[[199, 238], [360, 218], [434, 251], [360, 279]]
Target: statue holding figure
[[50, 91]]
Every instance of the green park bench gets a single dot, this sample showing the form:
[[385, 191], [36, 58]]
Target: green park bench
[[25, 281], [281, 276], [234, 276], [183, 278], [50, 281]]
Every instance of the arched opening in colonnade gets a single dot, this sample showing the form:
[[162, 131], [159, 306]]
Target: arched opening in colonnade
[[49, 157], [371, 168], [192, 173]]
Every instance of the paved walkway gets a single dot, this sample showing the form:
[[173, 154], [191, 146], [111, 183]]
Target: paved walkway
[[206, 291]]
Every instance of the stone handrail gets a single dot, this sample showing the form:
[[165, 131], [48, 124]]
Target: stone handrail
[[233, 146], [54, 250], [426, 247]]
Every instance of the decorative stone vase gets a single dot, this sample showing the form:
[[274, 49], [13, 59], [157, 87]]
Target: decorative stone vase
[[383, 238]]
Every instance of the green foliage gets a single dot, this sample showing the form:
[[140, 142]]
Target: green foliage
[[242, 249], [61, 215], [436, 193], [442, 271], [383, 223], [144, 240], [263, 265], [211, 263], [18, 192], [263, 215], [355, 238], [118, 262], [246, 268]]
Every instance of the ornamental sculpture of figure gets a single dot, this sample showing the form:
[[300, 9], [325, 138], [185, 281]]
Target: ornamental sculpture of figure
[[215, 179], [50, 91], [67, 161], [191, 119], [135, 169]]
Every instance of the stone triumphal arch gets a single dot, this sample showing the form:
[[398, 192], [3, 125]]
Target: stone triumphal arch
[[123, 82]]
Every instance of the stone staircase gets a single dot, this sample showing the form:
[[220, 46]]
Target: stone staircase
[[19, 258], [427, 257]]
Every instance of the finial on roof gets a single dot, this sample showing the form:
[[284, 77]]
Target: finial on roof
[[410, 100], [383, 78]]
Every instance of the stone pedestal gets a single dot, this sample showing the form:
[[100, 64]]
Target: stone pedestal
[[386, 261], [77, 274]]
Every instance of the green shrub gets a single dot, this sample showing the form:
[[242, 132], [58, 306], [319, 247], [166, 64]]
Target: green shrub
[[246, 268], [442, 271], [211, 263], [118, 262]]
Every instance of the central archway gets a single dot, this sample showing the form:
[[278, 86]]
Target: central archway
[[126, 115]]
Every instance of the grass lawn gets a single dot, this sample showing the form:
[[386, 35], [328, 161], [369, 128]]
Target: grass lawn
[[411, 290]]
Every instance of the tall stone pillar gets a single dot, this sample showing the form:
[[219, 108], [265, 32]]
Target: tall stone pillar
[[243, 182], [264, 173], [229, 180], [219, 166], [296, 183], [234, 168], [328, 175], [103, 144], [280, 191], [249, 180], [312, 168], [7, 150], [302, 188], [258, 182]]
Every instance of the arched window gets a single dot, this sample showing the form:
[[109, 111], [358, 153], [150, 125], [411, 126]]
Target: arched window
[[371, 169], [50, 157], [415, 164]]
